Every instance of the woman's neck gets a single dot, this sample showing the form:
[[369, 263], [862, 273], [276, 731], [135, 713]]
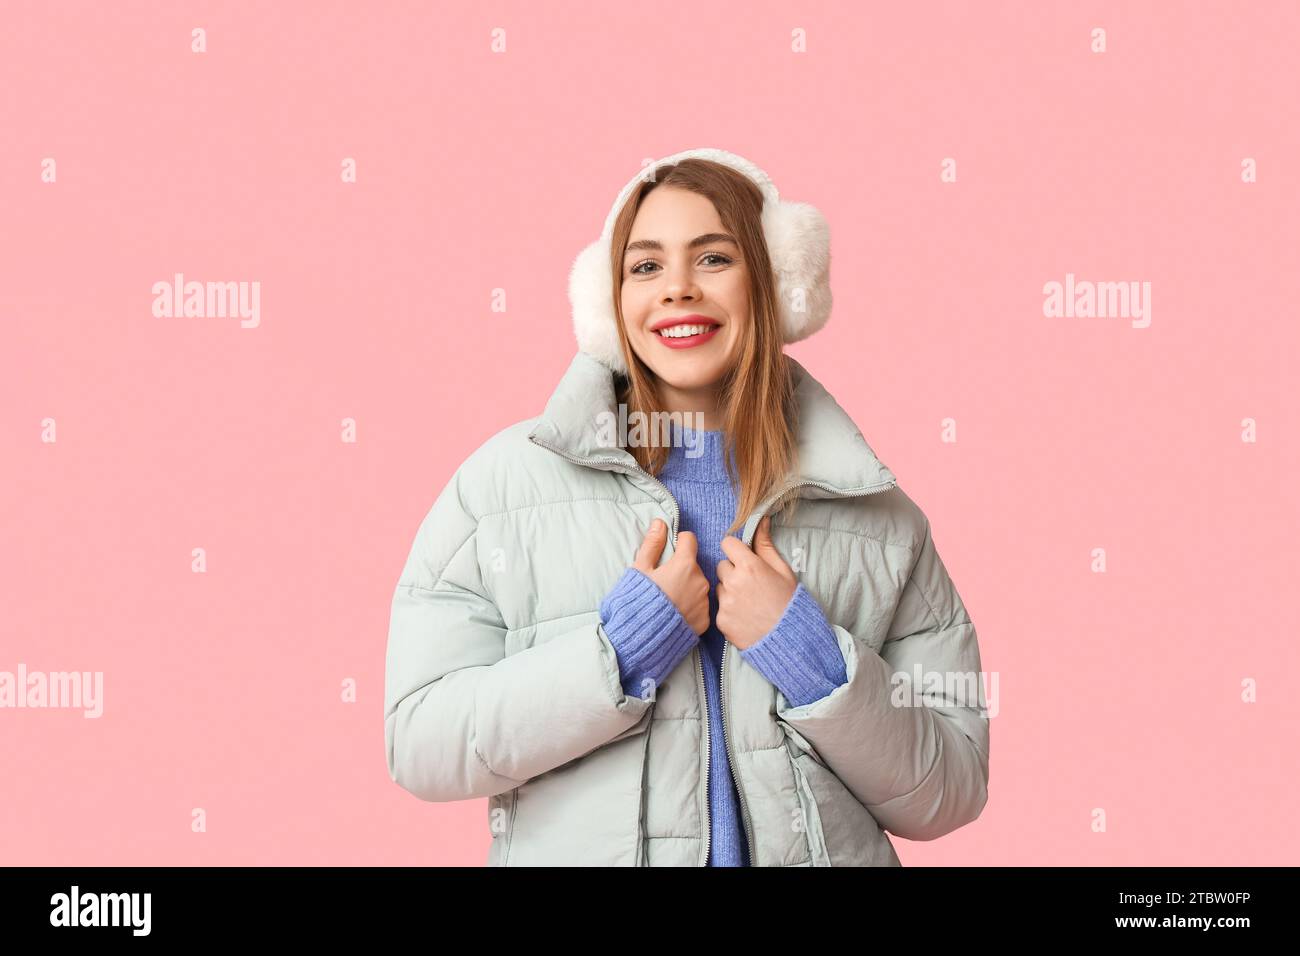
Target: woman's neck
[[697, 408]]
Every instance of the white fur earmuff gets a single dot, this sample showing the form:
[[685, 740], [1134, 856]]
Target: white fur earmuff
[[798, 243]]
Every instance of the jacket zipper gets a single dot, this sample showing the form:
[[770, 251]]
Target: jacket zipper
[[708, 748], [726, 743]]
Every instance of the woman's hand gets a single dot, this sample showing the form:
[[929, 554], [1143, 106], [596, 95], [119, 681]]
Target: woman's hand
[[680, 576], [754, 587]]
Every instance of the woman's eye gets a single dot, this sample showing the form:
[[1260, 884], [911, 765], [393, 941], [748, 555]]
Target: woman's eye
[[721, 260]]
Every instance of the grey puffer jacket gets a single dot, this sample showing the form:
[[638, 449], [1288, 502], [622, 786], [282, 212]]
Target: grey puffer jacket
[[502, 684]]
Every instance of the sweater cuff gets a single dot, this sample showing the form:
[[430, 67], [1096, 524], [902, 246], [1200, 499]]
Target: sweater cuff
[[649, 635], [801, 655]]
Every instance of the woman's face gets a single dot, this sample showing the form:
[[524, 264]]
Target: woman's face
[[680, 262]]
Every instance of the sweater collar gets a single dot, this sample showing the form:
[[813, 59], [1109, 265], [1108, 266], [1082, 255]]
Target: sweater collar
[[834, 459], [696, 455]]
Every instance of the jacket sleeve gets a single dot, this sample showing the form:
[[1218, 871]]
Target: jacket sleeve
[[461, 719], [920, 766]]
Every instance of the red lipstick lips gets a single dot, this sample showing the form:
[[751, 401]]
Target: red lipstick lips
[[679, 341]]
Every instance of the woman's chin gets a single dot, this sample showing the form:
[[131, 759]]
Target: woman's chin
[[689, 374]]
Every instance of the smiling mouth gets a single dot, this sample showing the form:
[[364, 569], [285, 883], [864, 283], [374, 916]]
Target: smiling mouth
[[685, 331], [688, 335]]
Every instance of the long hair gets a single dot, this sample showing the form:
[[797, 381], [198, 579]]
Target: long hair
[[756, 395]]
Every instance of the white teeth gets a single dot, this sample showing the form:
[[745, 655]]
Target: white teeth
[[681, 331]]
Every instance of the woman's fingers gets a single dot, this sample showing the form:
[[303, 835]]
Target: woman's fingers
[[687, 546], [680, 577], [652, 547]]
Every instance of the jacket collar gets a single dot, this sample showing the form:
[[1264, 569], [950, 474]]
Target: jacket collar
[[834, 459]]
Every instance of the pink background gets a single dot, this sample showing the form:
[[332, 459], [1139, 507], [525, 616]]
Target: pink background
[[479, 171]]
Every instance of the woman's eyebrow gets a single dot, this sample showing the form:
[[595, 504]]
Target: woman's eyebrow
[[708, 239]]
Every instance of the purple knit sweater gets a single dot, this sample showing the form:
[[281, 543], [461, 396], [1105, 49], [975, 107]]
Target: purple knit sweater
[[800, 655]]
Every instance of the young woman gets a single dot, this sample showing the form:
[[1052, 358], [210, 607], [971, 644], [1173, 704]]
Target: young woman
[[761, 685]]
